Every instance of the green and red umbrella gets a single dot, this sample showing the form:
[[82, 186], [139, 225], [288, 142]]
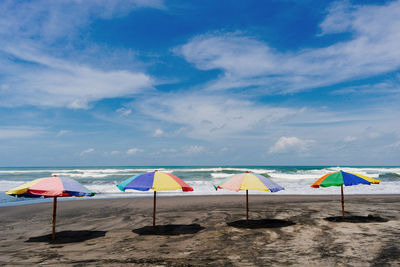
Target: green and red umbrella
[[341, 178]]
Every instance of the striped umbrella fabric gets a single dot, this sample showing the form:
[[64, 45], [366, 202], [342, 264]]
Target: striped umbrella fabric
[[248, 181], [156, 181], [341, 179], [51, 187]]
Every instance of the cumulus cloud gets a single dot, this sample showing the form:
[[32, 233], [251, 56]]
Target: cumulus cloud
[[87, 151], [248, 62], [290, 144], [134, 150]]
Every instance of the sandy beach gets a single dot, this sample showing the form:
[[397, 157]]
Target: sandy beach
[[206, 230]]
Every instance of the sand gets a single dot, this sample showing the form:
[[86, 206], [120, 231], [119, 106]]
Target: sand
[[205, 230]]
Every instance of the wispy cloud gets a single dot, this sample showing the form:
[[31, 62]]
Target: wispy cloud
[[210, 117], [124, 111], [47, 81], [34, 70], [87, 151], [62, 132], [51, 20], [248, 62], [19, 132]]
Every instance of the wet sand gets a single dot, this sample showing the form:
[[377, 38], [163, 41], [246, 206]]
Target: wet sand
[[206, 230]]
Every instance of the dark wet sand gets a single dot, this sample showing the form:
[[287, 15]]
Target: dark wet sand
[[205, 230]]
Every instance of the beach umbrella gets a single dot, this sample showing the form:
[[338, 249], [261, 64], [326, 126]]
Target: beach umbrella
[[157, 181], [248, 181], [51, 187], [341, 178]]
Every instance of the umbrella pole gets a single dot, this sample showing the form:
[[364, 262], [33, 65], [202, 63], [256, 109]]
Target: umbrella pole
[[154, 209], [53, 236], [341, 187], [247, 206]]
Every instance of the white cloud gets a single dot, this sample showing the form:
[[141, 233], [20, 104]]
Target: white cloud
[[124, 111], [247, 62], [40, 65], [134, 150], [62, 132], [394, 145], [48, 20], [57, 83], [115, 152], [349, 139], [19, 132], [225, 149], [290, 144], [339, 18], [158, 132], [193, 149], [209, 117], [168, 150], [87, 151]]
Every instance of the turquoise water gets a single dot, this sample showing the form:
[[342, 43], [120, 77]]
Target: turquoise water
[[103, 179]]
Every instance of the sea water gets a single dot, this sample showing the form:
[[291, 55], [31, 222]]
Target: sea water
[[103, 180]]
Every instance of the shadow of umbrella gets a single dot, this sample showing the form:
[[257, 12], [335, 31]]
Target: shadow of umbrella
[[169, 229], [66, 237], [262, 223], [357, 219]]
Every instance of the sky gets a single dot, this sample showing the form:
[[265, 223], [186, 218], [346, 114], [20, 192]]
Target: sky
[[152, 82]]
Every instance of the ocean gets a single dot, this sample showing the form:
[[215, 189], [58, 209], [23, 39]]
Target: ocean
[[103, 180]]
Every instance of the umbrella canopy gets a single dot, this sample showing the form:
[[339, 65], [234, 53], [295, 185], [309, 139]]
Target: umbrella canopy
[[341, 178], [157, 181], [248, 181], [51, 187]]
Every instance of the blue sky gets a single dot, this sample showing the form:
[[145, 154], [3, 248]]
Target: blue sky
[[199, 83]]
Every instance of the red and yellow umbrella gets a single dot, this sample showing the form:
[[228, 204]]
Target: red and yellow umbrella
[[51, 187]]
